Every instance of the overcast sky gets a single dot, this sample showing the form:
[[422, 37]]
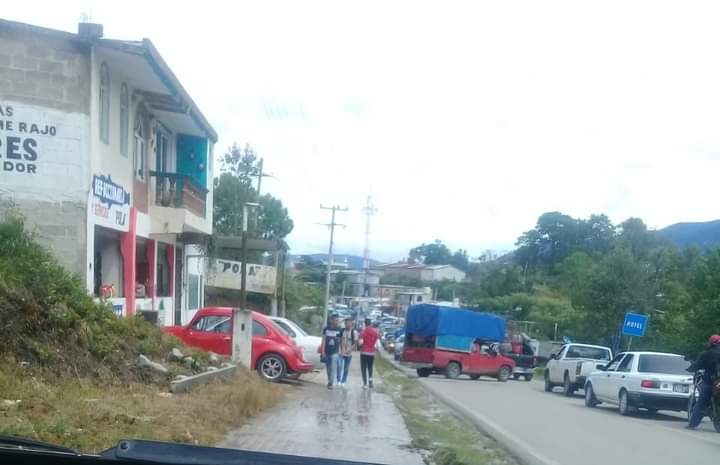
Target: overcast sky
[[465, 120]]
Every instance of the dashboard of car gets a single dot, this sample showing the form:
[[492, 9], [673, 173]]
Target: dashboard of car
[[134, 452]]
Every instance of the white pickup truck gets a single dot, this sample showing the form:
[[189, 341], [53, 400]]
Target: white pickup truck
[[571, 366]]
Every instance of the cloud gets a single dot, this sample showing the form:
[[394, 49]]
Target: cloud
[[466, 120]]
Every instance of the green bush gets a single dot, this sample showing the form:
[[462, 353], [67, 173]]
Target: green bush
[[48, 320]]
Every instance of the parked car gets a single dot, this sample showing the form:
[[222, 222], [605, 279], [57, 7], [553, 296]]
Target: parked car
[[573, 364], [650, 380], [308, 342], [274, 354], [399, 344]]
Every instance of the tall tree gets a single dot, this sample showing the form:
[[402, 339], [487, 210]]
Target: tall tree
[[554, 237], [435, 253], [636, 236], [241, 163], [460, 260], [234, 187], [596, 234], [229, 195], [273, 218]]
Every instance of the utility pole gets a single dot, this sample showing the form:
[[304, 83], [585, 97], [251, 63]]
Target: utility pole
[[331, 225], [243, 263], [260, 175]]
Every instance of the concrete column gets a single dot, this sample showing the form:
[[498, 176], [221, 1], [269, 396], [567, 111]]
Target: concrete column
[[128, 249], [151, 253], [242, 337], [273, 306], [170, 257]]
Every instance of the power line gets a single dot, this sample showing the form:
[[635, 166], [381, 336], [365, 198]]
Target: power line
[[331, 225]]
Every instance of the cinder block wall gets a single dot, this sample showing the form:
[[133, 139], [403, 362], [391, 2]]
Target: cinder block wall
[[44, 70], [52, 71]]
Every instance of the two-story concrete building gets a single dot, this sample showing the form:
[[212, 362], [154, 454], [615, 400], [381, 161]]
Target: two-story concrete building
[[421, 272], [110, 161]]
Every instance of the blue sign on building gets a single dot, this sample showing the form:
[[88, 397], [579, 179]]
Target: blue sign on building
[[635, 324]]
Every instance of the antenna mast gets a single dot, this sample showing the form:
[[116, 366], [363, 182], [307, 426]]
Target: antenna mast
[[369, 211]]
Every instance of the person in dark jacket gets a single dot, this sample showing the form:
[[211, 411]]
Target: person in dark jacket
[[708, 361]]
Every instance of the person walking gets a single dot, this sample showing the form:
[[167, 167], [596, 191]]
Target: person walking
[[348, 344], [330, 348], [708, 361], [368, 340]]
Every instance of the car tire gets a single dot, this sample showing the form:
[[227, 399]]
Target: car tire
[[272, 367], [568, 388], [516, 376], [474, 376], [624, 406], [423, 372], [504, 373], [548, 384], [590, 399], [528, 377], [453, 370]]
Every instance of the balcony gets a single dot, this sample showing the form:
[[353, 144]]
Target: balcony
[[177, 190]]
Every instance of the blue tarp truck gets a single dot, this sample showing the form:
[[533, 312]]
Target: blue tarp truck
[[454, 341]]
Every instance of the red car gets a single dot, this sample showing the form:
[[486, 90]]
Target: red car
[[274, 353], [427, 359]]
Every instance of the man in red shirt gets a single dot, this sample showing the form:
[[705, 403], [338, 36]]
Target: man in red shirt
[[368, 339]]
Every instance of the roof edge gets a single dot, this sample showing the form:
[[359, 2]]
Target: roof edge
[[170, 80], [151, 54]]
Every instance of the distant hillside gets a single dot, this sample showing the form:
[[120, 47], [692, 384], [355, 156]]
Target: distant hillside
[[704, 235], [353, 261]]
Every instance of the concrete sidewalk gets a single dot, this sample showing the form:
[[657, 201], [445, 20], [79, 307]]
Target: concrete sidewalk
[[344, 423]]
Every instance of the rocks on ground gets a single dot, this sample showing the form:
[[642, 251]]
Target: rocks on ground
[[143, 361]]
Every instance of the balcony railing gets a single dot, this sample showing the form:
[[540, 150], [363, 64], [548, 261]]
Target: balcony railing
[[179, 190]]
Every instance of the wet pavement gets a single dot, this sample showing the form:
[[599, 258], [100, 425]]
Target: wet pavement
[[344, 423]]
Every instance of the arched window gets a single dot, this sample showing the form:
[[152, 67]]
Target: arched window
[[124, 119], [104, 95], [139, 148]]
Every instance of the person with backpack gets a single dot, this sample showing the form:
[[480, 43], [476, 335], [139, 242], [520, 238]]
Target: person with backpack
[[348, 344], [330, 349]]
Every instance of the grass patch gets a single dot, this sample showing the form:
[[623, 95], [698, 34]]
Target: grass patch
[[69, 370], [80, 414], [442, 438]]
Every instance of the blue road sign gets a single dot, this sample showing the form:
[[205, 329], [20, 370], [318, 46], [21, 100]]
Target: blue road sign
[[635, 324]]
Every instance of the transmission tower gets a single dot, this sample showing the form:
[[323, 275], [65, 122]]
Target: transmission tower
[[369, 210]]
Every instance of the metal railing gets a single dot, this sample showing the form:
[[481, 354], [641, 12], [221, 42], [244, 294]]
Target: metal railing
[[177, 190]]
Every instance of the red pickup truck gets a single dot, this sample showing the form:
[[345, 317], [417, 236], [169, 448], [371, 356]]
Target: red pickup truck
[[274, 353], [482, 360]]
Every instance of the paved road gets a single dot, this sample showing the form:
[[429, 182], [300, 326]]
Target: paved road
[[346, 423], [562, 431]]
